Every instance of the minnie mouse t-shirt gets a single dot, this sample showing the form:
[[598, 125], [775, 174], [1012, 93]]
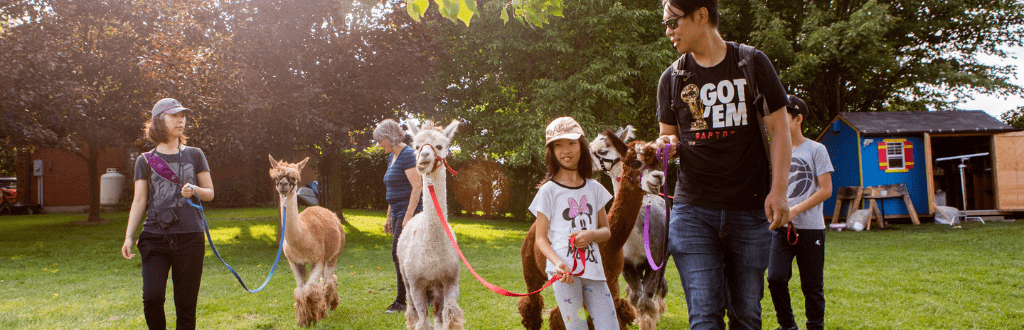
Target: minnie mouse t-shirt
[[569, 210]]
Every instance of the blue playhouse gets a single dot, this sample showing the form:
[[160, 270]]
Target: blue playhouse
[[881, 148]]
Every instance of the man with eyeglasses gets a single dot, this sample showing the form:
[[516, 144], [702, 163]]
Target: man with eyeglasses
[[727, 199]]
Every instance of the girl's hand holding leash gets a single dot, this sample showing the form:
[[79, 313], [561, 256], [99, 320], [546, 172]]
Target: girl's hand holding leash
[[186, 190], [583, 237], [563, 271]]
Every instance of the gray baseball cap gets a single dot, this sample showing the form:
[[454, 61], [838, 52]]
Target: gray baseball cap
[[168, 105]]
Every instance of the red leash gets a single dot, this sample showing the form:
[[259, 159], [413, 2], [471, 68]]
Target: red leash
[[492, 287]]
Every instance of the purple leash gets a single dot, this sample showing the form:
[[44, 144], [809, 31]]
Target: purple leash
[[647, 215]]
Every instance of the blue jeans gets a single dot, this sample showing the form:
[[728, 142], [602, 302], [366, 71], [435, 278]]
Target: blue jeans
[[721, 256]]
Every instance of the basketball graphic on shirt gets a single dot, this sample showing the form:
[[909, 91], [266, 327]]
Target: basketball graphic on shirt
[[800, 177], [691, 97]]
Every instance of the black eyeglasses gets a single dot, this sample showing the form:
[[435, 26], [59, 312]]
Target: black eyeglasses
[[672, 23]]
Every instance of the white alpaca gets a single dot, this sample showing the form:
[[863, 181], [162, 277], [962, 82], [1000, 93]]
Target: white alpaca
[[429, 263], [646, 288]]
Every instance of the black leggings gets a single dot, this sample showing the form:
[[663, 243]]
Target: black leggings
[[182, 255]]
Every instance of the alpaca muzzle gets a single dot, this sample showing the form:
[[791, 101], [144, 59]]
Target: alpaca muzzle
[[435, 164], [285, 186]]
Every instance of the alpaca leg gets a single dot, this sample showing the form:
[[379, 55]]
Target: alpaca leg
[[412, 314], [302, 316], [317, 292], [299, 271], [451, 317], [660, 294], [555, 319], [625, 311], [419, 320], [645, 305], [435, 298], [331, 282], [531, 308], [634, 283]]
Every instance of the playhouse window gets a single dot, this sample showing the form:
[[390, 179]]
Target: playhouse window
[[894, 153]]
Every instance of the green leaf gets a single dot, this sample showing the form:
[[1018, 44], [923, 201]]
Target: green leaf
[[504, 15], [557, 11], [467, 8], [417, 8], [449, 9]]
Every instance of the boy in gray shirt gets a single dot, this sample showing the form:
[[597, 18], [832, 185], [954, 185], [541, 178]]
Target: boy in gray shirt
[[810, 184]]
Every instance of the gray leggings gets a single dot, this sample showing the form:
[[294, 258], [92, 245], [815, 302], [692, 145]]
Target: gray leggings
[[598, 299]]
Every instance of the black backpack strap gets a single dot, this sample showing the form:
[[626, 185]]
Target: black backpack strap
[[746, 65], [678, 70]]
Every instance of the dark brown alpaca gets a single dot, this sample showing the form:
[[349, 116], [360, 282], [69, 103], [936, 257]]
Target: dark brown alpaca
[[621, 219]]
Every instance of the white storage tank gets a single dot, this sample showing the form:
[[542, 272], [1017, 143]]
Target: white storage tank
[[111, 185]]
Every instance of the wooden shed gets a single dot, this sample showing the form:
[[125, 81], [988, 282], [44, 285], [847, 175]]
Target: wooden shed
[[881, 148]]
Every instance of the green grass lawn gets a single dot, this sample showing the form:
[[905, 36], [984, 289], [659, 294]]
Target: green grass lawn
[[55, 274]]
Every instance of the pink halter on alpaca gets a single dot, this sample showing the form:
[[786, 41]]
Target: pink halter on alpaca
[[451, 237]]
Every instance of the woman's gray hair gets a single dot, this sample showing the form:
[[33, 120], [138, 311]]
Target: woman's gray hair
[[390, 130]]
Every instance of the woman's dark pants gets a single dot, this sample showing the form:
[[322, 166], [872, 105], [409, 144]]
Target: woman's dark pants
[[397, 216], [182, 255]]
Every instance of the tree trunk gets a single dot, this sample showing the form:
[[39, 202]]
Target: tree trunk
[[332, 181], [94, 184], [24, 169]]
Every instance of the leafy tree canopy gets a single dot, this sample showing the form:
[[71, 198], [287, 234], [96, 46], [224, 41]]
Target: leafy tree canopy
[[532, 12], [1014, 117], [881, 55]]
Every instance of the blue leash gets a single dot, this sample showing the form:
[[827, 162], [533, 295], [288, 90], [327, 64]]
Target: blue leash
[[280, 245]]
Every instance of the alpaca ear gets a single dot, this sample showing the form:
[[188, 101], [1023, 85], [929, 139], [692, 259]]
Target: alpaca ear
[[449, 131], [413, 128], [302, 164], [273, 163], [626, 133], [616, 142]]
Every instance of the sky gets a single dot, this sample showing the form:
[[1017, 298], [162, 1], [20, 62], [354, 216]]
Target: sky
[[998, 104]]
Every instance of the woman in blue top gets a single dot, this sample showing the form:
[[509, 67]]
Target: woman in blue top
[[403, 193], [172, 235]]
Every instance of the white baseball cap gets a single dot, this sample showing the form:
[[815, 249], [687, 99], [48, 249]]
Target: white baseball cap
[[562, 128]]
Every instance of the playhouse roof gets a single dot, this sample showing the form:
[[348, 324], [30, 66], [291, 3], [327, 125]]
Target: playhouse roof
[[932, 122]]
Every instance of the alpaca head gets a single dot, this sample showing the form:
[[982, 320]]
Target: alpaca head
[[285, 175], [431, 145], [606, 159], [640, 163]]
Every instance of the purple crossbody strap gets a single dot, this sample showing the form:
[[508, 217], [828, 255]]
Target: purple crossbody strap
[[160, 167]]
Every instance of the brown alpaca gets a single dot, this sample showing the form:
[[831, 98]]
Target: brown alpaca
[[621, 219], [313, 237], [645, 287]]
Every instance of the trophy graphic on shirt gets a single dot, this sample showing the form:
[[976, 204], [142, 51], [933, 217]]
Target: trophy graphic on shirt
[[692, 99]]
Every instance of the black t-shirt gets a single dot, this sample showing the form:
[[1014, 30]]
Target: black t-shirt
[[165, 196], [722, 161]]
